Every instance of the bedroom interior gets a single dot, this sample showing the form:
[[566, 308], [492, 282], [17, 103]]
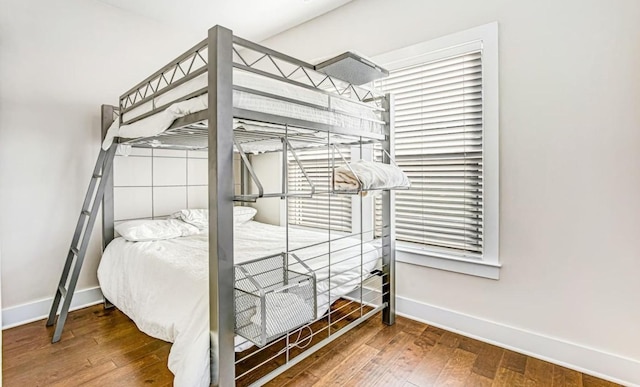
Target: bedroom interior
[[265, 207]]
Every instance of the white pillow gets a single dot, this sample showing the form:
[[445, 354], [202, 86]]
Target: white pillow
[[152, 230], [200, 217], [243, 214], [195, 217]]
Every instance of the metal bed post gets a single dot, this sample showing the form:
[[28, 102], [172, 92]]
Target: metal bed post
[[221, 193], [107, 118], [388, 222], [107, 200]]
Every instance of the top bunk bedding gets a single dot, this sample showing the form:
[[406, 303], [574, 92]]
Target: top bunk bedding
[[252, 94], [168, 108]]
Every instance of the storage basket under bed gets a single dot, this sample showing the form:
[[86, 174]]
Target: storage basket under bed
[[273, 295]]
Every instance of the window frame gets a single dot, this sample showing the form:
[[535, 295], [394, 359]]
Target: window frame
[[485, 36]]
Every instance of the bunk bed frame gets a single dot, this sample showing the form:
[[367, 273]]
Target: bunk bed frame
[[192, 132]]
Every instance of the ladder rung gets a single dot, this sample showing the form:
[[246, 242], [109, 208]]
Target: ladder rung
[[74, 251], [85, 212], [96, 176], [62, 291]]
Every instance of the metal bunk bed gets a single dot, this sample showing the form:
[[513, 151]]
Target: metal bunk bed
[[214, 129]]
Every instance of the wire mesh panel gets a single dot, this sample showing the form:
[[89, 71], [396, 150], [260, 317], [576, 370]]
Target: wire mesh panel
[[271, 299]]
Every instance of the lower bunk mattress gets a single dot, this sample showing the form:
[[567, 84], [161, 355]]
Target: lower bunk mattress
[[163, 285]]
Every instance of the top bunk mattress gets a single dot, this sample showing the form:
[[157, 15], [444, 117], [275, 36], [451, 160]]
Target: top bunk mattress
[[252, 93]]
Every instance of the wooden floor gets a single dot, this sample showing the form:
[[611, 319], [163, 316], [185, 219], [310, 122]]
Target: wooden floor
[[104, 348]]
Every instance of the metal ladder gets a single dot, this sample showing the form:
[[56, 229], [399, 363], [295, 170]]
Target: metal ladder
[[80, 241]]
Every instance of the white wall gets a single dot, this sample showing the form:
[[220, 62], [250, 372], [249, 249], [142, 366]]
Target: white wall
[[569, 158], [59, 61]]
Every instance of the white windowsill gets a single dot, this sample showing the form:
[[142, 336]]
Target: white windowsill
[[406, 254]]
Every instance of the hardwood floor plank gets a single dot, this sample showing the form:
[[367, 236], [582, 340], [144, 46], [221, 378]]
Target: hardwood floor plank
[[86, 375], [101, 323], [457, 369], [514, 361], [127, 352], [412, 327], [115, 334], [289, 376], [431, 335], [488, 361], [476, 380], [327, 363], [408, 359], [508, 378], [489, 356], [16, 358], [538, 373], [564, 377], [122, 358], [385, 336], [303, 379], [375, 368], [58, 367], [428, 370], [352, 364], [450, 339], [388, 379], [17, 336], [33, 337], [592, 381], [130, 374], [471, 345], [370, 329], [155, 374]]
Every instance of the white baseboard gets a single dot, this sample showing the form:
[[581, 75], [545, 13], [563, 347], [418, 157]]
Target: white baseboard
[[615, 368], [38, 310]]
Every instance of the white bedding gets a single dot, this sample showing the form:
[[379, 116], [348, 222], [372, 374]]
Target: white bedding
[[162, 285], [345, 114]]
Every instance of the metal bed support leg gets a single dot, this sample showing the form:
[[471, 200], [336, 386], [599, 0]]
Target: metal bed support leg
[[107, 200], [388, 223], [221, 273]]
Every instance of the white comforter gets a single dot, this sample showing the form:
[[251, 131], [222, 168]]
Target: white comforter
[[162, 285]]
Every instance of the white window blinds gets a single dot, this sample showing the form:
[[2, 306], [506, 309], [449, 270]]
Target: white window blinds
[[439, 144], [322, 211]]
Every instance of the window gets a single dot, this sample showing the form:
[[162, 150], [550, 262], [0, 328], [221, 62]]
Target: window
[[446, 140], [321, 211]]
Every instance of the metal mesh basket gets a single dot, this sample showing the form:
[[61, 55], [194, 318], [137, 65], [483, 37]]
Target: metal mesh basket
[[273, 295]]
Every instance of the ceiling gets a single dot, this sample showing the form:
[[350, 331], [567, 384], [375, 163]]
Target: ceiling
[[251, 19]]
